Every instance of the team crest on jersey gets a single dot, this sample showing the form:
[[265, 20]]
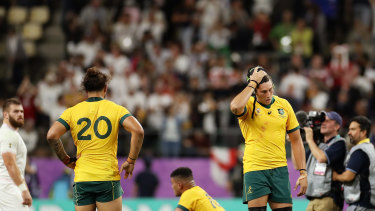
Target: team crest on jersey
[[281, 112], [258, 110]]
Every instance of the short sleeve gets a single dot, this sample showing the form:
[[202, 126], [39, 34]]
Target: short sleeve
[[292, 122], [187, 201], [8, 143], [358, 161], [65, 119], [123, 113], [248, 108], [336, 152]]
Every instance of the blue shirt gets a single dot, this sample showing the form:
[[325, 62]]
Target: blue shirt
[[359, 164]]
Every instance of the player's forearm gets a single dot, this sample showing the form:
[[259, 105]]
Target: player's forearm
[[15, 174], [299, 154], [346, 176], [58, 147], [317, 152], [298, 149], [294, 160], [239, 102], [136, 143]]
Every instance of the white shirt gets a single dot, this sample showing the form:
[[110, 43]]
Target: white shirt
[[11, 141], [171, 133], [48, 94], [119, 64], [297, 82]]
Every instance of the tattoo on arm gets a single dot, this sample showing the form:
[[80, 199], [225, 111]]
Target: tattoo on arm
[[58, 147]]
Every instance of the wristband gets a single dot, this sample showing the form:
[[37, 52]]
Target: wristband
[[22, 187], [251, 87], [255, 82], [68, 160], [130, 161], [302, 170], [132, 158]]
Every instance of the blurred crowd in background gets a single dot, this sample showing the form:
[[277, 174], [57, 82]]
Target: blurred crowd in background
[[175, 65]]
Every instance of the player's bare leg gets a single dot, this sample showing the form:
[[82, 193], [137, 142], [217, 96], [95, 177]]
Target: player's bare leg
[[259, 202], [115, 205], [277, 205], [90, 207]]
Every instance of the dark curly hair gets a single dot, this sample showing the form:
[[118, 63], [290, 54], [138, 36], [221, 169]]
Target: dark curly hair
[[94, 80]]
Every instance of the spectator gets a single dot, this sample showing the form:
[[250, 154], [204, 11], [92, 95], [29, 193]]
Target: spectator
[[170, 133], [209, 13], [302, 37], [48, 91], [27, 93], [16, 56], [94, 12], [56, 110], [124, 33], [146, 181], [88, 47], [280, 35], [182, 19], [294, 85], [29, 135], [207, 108], [261, 29], [318, 73], [153, 21]]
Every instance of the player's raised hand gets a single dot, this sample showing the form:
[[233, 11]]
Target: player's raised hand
[[256, 74], [128, 166]]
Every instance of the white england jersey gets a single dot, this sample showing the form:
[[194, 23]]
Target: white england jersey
[[11, 141]]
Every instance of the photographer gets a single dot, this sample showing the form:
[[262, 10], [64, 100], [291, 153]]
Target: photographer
[[322, 159], [359, 176]]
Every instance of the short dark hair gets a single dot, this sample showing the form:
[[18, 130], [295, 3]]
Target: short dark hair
[[183, 173], [9, 102], [364, 124], [94, 80]]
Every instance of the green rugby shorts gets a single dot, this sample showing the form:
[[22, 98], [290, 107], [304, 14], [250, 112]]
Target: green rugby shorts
[[272, 182], [85, 193]]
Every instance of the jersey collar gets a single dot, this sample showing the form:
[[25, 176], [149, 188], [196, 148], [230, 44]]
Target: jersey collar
[[269, 105], [367, 140], [94, 99]]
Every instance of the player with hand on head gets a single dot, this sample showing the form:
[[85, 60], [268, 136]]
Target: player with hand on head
[[265, 120], [14, 194], [94, 125]]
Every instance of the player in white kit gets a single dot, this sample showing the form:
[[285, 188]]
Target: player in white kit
[[14, 194]]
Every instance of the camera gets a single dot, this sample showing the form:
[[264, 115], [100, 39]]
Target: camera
[[313, 119]]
